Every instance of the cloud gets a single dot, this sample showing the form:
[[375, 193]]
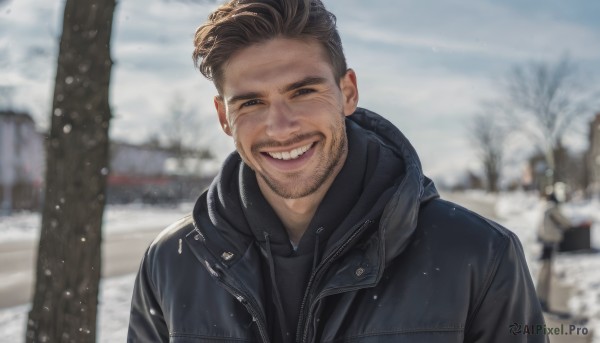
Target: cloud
[[467, 27], [423, 64], [427, 65]]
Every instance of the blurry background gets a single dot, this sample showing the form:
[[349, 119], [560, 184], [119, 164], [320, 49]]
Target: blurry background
[[497, 96], [428, 66]]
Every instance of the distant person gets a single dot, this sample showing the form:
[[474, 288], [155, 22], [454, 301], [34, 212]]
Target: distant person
[[550, 232], [321, 226]]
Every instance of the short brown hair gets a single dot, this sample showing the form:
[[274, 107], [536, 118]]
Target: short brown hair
[[240, 23]]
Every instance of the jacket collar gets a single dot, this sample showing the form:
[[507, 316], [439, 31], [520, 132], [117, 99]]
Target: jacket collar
[[399, 218], [399, 209]]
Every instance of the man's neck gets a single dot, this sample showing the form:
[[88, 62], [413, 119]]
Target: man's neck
[[295, 214]]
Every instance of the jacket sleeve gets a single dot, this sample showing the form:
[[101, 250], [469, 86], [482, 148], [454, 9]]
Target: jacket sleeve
[[146, 321], [509, 310]]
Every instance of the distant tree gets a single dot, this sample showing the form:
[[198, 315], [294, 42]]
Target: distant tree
[[546, 101], [65, 299], [489, 137], [153, 140], [181, 130]]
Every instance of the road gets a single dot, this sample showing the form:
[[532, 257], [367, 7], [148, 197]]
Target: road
[[122, 253], [482, 206]]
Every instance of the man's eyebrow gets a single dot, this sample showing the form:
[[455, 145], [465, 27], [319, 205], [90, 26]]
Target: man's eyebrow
[[240, 97], [309, 81]]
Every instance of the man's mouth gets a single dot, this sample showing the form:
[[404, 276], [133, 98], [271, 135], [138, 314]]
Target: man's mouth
[[290, 155]]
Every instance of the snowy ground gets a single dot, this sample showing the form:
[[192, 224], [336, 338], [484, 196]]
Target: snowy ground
[[116, 292], [518, 211], [521, 213], [118, 218]]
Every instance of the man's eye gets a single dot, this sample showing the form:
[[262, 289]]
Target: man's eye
[[250, 103], [303, 91]]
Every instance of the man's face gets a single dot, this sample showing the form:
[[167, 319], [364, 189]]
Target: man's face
[[285, 111]]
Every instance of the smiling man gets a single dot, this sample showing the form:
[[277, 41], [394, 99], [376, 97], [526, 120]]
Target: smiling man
[[286, 111], [321, 226]]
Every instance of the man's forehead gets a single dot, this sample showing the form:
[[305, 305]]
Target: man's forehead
[[275, 64]]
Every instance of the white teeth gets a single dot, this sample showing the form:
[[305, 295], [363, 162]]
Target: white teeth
[[292, 154]]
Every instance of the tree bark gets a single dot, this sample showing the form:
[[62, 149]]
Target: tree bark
[[68, 265]]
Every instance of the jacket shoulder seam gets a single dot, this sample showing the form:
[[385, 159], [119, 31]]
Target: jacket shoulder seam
[[180, 224]]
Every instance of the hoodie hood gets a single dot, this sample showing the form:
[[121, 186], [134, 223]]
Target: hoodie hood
[[381, 181], [413, 188]]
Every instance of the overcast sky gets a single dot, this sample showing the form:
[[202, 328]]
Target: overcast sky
[[424, 64]]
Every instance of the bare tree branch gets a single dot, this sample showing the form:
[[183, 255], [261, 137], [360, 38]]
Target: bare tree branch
[[545, 101]]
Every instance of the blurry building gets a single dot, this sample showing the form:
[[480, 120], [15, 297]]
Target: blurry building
[[152, 174], [593, 157], [537, 175], [21, 162], [137, 173]]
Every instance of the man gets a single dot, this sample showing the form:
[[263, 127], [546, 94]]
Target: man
[[321, 227]]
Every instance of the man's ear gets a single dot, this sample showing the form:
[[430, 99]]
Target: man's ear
[[349, 87], [222, 113]]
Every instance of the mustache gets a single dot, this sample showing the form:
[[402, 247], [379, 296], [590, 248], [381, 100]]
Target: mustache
[[277, 144]]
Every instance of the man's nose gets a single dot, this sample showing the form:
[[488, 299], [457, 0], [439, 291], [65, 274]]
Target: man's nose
[[281, 121]]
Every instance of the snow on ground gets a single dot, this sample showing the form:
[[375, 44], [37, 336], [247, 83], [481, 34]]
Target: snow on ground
[[115, 293], [117, 218], [19, 226], [113, 315], [519, 212]]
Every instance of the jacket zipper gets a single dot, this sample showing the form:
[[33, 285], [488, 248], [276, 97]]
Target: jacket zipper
[[305, 318], [250, 306]]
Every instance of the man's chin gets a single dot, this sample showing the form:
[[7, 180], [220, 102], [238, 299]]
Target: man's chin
[[297, 189]]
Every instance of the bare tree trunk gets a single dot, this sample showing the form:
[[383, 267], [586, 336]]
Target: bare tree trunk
[[489, 139], [492, 175], [68, 264]]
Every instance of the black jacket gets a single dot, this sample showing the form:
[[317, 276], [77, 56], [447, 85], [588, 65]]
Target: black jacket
[[421, 270]]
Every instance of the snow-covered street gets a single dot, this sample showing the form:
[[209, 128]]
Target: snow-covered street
[[116, 292], [118, 218], [578, 274], [519, 212]]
